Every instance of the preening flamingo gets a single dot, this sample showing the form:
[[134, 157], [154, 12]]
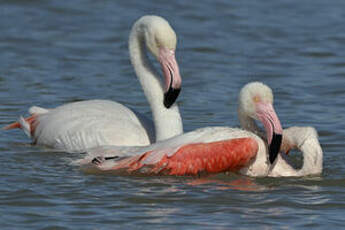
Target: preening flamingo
[[220, 149], [77, 126]]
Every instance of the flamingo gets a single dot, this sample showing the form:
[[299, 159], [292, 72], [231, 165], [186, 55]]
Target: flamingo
[[77, 126], [220, 149]]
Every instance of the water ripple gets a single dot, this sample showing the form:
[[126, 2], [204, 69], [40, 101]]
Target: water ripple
[[53, 52]]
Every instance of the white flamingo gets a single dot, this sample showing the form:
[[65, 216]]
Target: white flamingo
[[219, 149], [77, 126]]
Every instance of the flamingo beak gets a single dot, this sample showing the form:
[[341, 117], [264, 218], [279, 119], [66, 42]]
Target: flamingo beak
[[274, 146], [274, 131], [170, 69]]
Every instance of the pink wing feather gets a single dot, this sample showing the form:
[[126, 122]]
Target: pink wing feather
[[191, 159]]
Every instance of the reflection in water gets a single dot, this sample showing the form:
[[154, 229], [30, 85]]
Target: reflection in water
[[242, 184], [161, 215]]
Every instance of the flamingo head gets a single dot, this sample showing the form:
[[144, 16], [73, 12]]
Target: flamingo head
[[256, 101], [161, 42]]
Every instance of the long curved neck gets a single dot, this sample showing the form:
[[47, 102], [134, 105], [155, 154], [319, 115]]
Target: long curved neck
[[306, 140], [167, 122]]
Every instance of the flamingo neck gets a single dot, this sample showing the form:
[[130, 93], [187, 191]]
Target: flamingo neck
[[167, 122], [249, 124], [312, 163], [306, 140], [260, 166]]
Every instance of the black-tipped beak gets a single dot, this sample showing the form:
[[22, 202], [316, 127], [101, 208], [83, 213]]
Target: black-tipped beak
[[171, 96], [274, 147]]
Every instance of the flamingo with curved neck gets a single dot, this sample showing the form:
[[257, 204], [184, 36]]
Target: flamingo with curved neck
[[77, 126], [220, 149]]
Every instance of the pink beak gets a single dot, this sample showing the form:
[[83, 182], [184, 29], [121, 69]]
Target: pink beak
[[274, 131], [170, 69]]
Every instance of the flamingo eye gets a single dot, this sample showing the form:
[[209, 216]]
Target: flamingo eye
[[256, 99]]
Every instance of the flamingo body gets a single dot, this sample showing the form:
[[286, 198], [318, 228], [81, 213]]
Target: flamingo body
[[81, 125], [209, 150], [192, 159]]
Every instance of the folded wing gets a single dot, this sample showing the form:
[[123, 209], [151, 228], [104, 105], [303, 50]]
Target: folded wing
[[188, 159]]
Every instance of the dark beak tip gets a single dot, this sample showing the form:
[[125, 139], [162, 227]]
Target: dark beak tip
[[272, 158], [170, 97], [167, 104], [274, 147]]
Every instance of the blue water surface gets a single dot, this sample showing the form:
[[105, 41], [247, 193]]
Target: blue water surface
[[59, 51]]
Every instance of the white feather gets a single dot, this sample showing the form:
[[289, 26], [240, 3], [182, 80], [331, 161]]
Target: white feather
[[25, 126]]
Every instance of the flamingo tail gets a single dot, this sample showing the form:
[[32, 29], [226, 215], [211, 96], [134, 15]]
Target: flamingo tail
[[27, 124]]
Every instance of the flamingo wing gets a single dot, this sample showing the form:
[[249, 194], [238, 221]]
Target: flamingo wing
[[78, 126], [189, 159]]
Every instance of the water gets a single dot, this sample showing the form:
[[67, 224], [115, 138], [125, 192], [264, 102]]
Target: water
[[54, 52]]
